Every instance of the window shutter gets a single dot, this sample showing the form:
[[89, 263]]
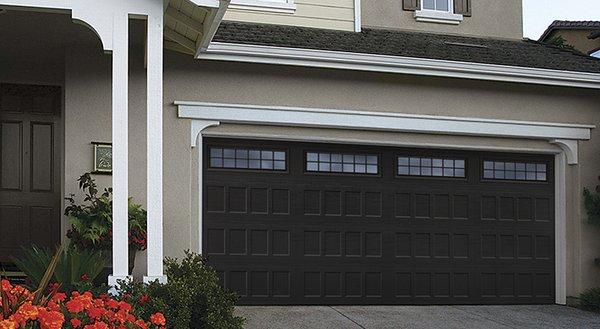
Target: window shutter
[[411, 5], [462, 7]]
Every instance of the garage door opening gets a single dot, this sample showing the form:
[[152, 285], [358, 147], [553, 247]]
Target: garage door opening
[[314, 224]]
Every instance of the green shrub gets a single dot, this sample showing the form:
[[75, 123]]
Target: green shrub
[[75, 269], [192, 298], [590, 299], [91, 221], [591, 201]]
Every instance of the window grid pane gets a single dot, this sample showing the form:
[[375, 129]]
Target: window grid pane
[[342, 163], [431, 167], [511, 170], [243, 158]]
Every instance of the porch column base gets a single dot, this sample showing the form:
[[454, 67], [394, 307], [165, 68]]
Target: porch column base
[[160, 278], [113, 280]]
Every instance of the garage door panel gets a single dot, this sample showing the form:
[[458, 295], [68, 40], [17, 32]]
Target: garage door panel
[[298, 237]]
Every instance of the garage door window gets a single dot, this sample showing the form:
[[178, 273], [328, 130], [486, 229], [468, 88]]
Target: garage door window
[[522, 171], [342, 163], [242, 158], [431, 167]]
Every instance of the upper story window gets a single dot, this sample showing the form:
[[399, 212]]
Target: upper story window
[[439, 11], [439, 5]]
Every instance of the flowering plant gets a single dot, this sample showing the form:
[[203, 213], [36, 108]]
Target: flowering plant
[[20, 310], [91, 222]]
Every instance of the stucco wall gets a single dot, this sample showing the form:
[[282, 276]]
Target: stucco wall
[[491, 18], [578, 39]]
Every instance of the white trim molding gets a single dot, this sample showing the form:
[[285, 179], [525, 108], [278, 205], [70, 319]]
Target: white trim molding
[[396, 64], [570, 148], [566, 136], [196, 141], [383, 121], [211, 24], [437, 16], [274, 6]]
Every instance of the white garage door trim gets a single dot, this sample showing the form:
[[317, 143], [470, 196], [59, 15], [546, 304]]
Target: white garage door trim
[[566, 136]]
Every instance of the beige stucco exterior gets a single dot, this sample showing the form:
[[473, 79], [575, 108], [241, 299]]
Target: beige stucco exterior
[[325, 14], [85, 71], [578, 39], [491, 18]]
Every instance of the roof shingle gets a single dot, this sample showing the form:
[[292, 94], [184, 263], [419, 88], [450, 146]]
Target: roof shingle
[[522, 53]]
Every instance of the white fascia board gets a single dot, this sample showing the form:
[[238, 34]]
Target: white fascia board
[[381, 121], [47, 4], [211, 23], [206, 3], [396, 64]]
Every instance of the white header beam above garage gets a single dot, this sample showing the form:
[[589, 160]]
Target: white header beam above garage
[[562, 134]]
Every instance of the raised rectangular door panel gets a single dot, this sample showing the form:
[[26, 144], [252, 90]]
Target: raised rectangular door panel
[[30, 155], [11, 165], [304, 237]]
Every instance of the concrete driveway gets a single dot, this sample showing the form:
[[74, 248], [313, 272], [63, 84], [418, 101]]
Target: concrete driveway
[[351, 317]]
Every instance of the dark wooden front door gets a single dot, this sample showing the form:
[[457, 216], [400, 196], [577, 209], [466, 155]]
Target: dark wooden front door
[[340, 224], [30, 190]]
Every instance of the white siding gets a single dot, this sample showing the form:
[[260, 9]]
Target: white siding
[[327, 14]]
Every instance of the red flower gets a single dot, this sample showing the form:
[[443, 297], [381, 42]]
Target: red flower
[[9, 324], [140, 323], [124, 306], [111, 303], [75, 323], [84, 277], [158, 319], [75, 305], [144, 299], [59, 297], [95, 312], [51, 319], [6, 286]]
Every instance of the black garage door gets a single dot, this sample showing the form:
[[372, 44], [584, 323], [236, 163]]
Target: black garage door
[[308, 223]]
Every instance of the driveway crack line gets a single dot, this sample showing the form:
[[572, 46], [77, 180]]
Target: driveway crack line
[[347, 317]]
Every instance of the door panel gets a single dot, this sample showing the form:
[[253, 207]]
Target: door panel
[[30, 169], [299, 237]]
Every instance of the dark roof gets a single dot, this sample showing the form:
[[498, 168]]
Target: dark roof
[[522, 53], [570, 25]]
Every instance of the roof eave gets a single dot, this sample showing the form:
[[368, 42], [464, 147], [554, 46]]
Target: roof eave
[[396, 64]]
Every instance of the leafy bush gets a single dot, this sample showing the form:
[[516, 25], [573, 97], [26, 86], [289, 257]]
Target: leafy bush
[[91, 222], [192, 298], [591, 201], [590, 299], [592, 205], [75, 269]]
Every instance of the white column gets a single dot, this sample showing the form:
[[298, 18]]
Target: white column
[[154, 148], [560, 229], [120, 245]]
